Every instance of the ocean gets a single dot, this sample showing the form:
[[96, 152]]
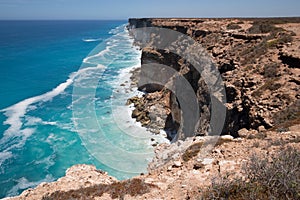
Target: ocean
[[64, 85]]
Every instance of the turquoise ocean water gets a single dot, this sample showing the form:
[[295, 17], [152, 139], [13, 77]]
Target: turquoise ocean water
[[61, 102]]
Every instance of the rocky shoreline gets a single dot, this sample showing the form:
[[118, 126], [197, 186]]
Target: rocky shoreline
[[259, 61]]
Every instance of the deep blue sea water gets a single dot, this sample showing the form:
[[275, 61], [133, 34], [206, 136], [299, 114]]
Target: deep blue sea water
[[62, 104]]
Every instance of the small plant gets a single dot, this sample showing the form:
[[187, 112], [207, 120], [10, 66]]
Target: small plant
[[281, 38], [192, 151], [256, 144], [281, 142], [249, 67], [46, 198], [274, 36], [250, 54], [233, 26], [280, 177], [285, 38], [288, 117], [270, 70], [272, 43], [259, 27], [269, 85]]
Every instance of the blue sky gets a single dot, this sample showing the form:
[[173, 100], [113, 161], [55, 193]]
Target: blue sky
[[121, 9]]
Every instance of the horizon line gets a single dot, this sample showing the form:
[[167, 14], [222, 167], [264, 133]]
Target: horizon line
[[149, 17]]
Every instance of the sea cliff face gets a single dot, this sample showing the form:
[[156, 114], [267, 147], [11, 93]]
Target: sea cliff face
[[260, 74], [259, 64]]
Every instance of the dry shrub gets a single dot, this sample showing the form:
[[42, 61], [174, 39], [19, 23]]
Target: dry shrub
[[269, 85], [271, 70], [288, 117], [259, 27], [233, 26], [274, 177]]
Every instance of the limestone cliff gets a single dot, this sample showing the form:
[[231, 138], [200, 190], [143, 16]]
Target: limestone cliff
[[258, 60], [259, 63]]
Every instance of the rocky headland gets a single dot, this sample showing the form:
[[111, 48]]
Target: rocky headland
[[259, 62]]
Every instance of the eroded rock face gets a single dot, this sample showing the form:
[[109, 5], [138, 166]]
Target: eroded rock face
[[260, 70]]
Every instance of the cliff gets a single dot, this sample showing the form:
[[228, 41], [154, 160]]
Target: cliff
[[258, 60]]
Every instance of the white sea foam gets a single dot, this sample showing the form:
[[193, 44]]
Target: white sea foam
[[16, 112], [48, 161], [125, 122], [16, 135], [32, 121], [18, 120], [53, 138], [23, 183], [49, 123], [101, 53], [5, 144], [118, 29], [22, 136], [4, 156], [92, 40], [110, 43]]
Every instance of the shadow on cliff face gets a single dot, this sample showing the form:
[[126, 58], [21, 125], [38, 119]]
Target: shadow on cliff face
[[132, 187]]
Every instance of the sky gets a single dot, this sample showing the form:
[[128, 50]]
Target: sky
[[122, 9]]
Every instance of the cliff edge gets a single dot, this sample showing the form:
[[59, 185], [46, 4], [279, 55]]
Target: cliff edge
[[259, 62]]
